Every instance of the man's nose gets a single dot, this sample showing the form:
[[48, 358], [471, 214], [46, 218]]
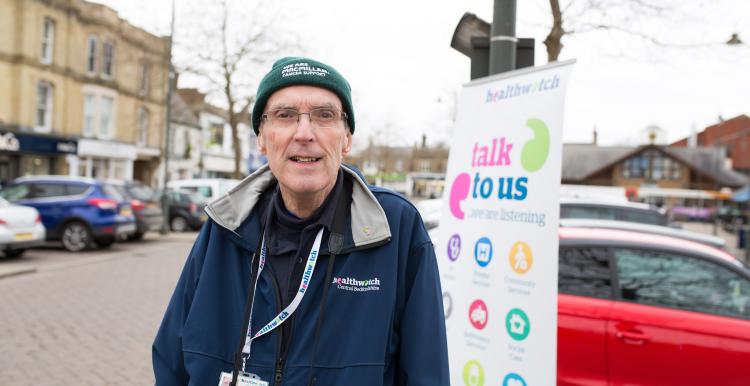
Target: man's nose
[[304, 130]]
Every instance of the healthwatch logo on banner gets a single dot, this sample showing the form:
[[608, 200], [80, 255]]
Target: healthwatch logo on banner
[[486, 180]]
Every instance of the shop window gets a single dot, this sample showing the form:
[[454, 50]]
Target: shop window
[[143, 117], [91, 60], [35, 165], [44, 106], [108, 59], [48, 40]]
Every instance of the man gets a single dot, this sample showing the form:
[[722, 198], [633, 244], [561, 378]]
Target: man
[[340, 278]]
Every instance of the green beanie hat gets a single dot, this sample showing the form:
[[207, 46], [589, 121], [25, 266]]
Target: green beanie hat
[[293, 71]]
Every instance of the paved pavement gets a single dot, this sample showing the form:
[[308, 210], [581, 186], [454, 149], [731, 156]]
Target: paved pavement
[[86, 319]]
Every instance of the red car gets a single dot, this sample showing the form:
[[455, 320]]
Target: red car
[[646, 309]]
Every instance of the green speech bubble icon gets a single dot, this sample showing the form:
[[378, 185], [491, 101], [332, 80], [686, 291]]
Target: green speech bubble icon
[[535, 151]]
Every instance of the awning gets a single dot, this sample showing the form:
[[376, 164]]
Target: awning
[[742, 195]]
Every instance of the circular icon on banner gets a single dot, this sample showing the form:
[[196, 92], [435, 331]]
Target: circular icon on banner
[[517, 324], [473, 373], [454, 247], [478, 315], [520, 258], [513, 379], [447, 304], [483, 251]]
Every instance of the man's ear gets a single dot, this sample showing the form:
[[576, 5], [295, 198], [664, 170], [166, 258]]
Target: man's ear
[[261, 141], [347, 143]]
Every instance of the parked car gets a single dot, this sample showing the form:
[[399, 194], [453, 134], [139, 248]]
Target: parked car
[[185, 210], [646, 309], [714, 241], [637, 308], [611, 210], [20, 228], [209, 188], [430, 210], [80, 212], [146, 206]]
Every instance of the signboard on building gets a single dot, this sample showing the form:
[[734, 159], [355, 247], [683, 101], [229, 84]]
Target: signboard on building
[[498, 240], [37, 144]]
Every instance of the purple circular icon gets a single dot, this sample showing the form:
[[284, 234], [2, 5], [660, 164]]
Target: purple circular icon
[[454, 247]]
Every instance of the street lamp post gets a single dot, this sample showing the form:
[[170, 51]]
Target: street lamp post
[[168, 136]]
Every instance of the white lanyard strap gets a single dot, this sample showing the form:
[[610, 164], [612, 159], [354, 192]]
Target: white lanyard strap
[[289, 310]]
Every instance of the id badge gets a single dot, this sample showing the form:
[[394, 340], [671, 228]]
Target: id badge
[[244, 379]]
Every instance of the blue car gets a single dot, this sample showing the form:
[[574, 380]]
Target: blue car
[[80, 212]]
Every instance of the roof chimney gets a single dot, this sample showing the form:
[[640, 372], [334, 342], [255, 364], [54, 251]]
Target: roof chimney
[[596, 137], [424, 141]]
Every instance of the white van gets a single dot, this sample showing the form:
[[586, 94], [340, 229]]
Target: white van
[[209, 188]]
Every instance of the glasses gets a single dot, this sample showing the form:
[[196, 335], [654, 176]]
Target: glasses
[[320, 118]]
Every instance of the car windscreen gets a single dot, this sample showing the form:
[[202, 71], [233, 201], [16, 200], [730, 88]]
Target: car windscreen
[[115, 192]]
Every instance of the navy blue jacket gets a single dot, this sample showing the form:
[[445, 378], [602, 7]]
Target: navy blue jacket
[[383, 324]]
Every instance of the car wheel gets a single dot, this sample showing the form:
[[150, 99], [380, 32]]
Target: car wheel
[[179, 224], [105, 242], [14, 253], [136, 236], [76, 236]]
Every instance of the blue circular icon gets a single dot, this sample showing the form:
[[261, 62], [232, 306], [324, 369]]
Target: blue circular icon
[[483, 251], [513, 379]]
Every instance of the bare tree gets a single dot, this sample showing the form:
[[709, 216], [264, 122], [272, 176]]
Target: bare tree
[[619, 16], [228, 54]]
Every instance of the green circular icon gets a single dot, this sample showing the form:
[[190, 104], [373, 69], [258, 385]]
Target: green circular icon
[[517, 324], [473, 374]]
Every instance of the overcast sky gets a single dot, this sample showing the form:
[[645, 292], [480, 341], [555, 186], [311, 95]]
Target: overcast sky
[[405, 76]]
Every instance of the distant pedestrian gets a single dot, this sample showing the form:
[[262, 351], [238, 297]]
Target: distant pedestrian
[[340, 277]]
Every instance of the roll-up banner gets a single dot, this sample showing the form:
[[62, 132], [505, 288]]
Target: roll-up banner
[[497, 244]]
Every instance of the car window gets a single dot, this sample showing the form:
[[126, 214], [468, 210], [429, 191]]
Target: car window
[[683, 282], [75, 189], [585, 272], [591, 212], [47, 189], [204, 191], [15, 192], [642, 216]]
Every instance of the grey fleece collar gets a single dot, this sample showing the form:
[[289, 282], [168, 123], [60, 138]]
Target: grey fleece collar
[[369, 223]]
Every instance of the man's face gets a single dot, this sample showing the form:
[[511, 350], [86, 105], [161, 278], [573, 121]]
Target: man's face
[[304, 159]]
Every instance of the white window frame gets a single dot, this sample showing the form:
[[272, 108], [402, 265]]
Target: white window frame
[[98, 96], [91, 55], [144, 117], [108, 72], [144, 81], [46, 104], [106, 127], [89, 110], [48, 41]]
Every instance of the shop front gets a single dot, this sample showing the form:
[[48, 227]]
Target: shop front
[[29, 154], [103, 160]]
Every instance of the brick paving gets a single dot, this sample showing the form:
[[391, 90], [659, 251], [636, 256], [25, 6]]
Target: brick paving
[[88, 319]]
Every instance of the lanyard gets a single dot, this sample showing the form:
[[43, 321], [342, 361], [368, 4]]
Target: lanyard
[[289, 310]]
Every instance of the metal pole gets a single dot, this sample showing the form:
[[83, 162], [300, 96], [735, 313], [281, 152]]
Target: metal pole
[[168, 137], [503, 37]]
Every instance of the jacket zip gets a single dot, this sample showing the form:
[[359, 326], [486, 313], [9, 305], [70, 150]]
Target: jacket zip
[[278, 377]]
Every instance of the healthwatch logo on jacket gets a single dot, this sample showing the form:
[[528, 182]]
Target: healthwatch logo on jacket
[[352, 284], [484, 182]]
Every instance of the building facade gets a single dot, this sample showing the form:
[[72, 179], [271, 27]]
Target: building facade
[[732, 135], [84, 85], [216, 156]]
